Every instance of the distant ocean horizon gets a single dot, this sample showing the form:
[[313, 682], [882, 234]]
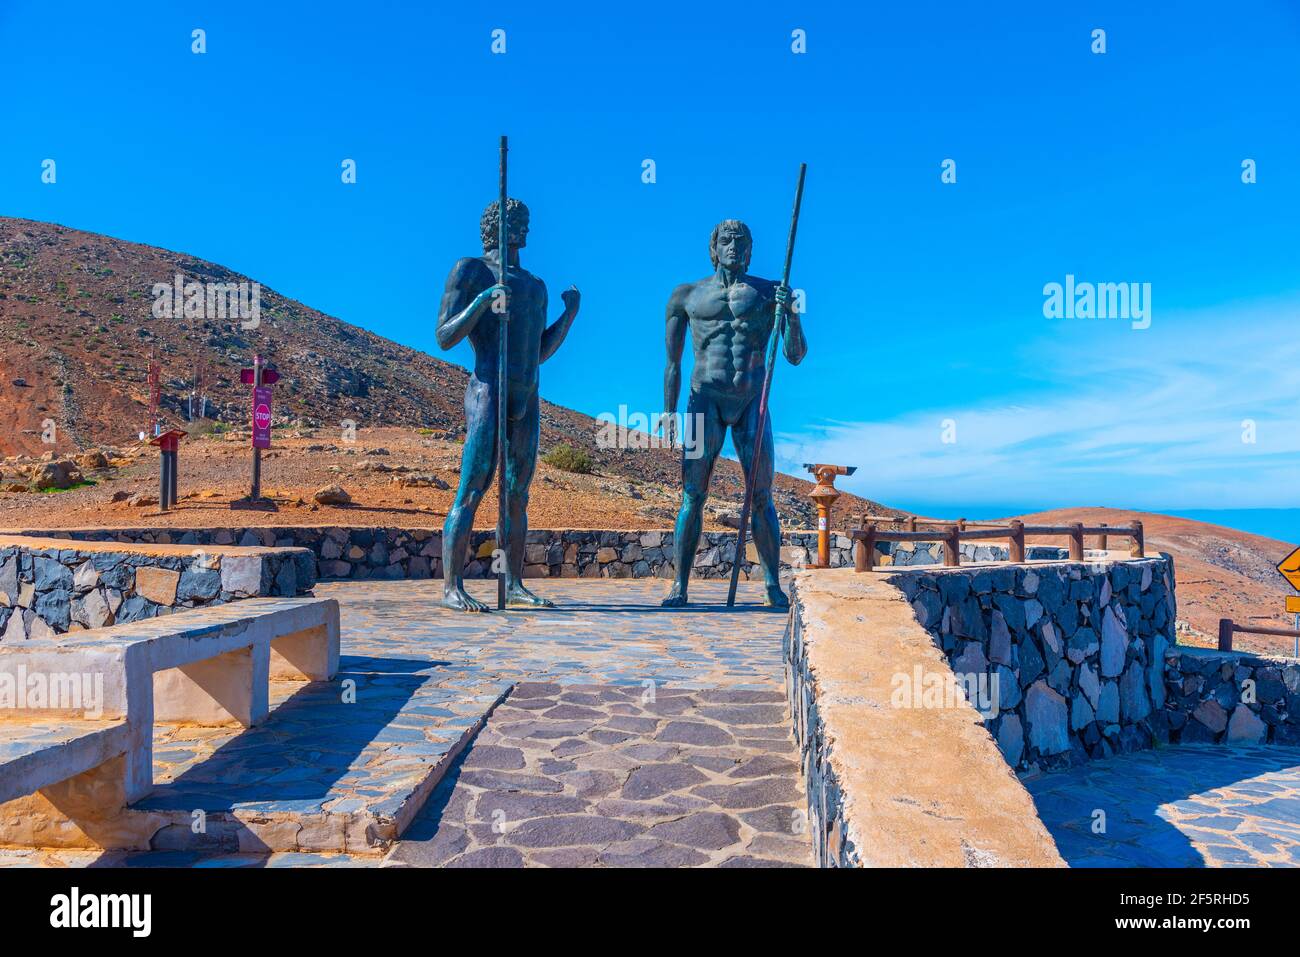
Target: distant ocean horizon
[[1282, 524]]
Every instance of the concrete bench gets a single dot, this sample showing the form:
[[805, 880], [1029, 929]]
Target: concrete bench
[[210, 666]]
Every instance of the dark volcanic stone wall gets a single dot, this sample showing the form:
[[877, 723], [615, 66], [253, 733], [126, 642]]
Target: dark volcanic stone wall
[[1072, 653]]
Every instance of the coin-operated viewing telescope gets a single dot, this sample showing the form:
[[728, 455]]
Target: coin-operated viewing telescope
[[825, 494]]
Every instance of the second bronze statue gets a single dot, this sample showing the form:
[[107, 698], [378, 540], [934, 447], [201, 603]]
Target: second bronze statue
[[474, 304], [731, 316]]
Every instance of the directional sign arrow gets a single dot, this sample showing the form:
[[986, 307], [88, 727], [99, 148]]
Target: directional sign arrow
[[1290, 569]]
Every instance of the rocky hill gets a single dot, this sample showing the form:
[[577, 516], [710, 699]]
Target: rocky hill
[[77, 329]]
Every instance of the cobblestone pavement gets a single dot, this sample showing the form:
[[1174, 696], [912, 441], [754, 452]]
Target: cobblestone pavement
[[601, 632], [635, 735], [1186, 806], [605, 775]]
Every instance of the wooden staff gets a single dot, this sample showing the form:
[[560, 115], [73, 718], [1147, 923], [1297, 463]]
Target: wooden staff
[[754, 462], [503, 318]]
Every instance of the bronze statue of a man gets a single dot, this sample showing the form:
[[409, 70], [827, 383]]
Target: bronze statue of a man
[[468, 311], [731, 316]]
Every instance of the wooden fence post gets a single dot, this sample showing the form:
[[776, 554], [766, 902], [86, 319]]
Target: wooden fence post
[[1225, 634], [864, 554], [1076, 542], [1103, 542], [1138, 543], [1017, 541], [952, 547]]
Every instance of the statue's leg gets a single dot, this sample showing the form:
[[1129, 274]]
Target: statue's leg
[[520, 465], [697, 469], [476, 465], [762, 511]]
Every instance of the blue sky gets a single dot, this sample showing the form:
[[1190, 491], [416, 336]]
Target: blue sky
[[925, 299]]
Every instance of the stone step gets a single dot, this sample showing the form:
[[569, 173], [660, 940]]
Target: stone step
[[337, 766]]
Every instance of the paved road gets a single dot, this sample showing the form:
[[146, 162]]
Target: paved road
[[1186, 806]]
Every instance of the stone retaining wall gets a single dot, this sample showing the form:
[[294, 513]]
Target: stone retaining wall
[[49, 588], [393, 553], [932, 553], [1229, 697], [1072, 653]]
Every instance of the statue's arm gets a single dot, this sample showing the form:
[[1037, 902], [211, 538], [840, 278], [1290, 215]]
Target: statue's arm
[[795, 345], [676, 322], [463, 304], [553, 336]]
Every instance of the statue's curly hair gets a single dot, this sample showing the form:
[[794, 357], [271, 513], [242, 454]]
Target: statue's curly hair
[[739, 227], [488, 225]]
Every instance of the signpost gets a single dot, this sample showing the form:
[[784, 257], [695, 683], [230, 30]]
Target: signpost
[[261, 377], [168, 443], [1290, 569]]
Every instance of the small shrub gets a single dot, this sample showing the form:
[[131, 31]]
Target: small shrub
[[568, 459]]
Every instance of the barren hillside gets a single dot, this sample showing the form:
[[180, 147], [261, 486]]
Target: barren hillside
[[77, 330]]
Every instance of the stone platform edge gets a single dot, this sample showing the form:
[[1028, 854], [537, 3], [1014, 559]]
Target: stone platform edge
[[894, 786], [392, 552]]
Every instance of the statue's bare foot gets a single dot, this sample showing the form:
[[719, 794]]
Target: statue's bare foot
[[456, 597], [517, 594], [777, 598], [676, 598]]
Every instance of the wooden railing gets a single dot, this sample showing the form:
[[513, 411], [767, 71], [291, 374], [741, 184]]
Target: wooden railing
[[952, 534], [1228, 628]]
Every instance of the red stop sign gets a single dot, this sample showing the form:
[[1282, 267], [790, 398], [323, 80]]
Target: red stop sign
[[262, 417]]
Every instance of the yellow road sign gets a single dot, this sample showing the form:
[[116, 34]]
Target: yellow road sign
[[1290, 569], [1293, 604]]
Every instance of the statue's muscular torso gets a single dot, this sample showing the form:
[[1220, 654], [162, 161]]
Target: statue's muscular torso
[[730, 327], [528, 304]]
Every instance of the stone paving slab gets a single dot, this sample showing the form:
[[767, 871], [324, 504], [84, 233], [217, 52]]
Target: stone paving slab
[[74, 858], [577, 775], [602, 631], [1184, 806]]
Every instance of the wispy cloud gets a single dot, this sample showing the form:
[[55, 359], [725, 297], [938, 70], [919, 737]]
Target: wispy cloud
[[1157, 424]]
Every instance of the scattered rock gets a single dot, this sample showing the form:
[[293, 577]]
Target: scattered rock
[[59, 474], [332, 495], [94, 459], [420, 480]]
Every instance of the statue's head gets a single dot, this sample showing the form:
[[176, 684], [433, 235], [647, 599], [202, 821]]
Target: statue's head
[[516, 225], [731, 245]]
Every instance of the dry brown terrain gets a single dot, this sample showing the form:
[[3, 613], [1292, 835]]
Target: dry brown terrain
[[214, 474]]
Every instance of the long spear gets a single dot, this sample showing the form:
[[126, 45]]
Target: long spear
[[755, 459], [503, 318]]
